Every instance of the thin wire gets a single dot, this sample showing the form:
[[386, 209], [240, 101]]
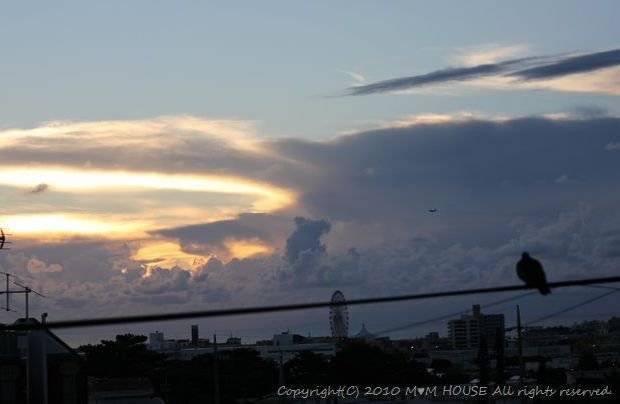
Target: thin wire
[[573, 307], [603, 287], [450, 315], [567, 309], [287, 307]]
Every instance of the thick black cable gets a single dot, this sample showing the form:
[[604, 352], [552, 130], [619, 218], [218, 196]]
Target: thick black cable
[[288, 307]]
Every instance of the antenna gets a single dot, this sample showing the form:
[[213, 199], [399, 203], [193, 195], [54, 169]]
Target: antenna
[[2, 244], [8, 302], [27, 290]]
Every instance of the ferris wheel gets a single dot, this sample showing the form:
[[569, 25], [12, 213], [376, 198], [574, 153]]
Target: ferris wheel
[[339, 316]]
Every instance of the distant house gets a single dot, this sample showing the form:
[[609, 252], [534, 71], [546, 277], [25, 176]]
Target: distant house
[[39, 364]]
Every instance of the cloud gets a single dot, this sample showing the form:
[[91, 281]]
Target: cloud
[[136, 176], [246, 235], [306, 262], [246, 226], [362, 221], [306, 239], [436, 77], [570, 65], [546, 71], [357, 78], [42, 187], [488, 53], [612, 146], [561, 179], [571, 245], [35, 266], [466, 168]]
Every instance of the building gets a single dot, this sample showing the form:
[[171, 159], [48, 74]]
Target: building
[[464, 333], [194, 335], [285, 346], [463, 359], [467, 331], [364, 334], [231, 344], [39, 362], [158, 343]]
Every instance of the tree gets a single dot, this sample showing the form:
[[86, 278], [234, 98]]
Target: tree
[[362, 364], [359, 363], [587, 361], [244, 374], [308, 369], [126, 356], [441, 365]]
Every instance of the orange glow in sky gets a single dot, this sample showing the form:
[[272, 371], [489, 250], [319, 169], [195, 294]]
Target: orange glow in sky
[[54, 225], [139, 191]]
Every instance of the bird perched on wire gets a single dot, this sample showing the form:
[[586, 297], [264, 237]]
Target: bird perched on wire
[[532, 273]]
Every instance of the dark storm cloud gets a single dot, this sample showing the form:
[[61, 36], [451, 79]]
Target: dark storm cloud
[[526, 69], [468, 168], [213, 233], [571, 65], [247, 226], [589, 112], [306, 238], [306, 262]]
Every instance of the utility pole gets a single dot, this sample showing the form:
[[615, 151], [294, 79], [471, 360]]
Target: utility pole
[[499, 354], [216, 378], [281, 381], [520, 348], [8, 305]]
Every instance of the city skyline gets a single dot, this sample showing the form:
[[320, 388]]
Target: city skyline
[[162, 158]]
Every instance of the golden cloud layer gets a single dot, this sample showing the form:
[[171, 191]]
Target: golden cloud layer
[[55, 196]]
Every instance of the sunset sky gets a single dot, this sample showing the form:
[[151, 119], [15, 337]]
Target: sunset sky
[[161, 156]]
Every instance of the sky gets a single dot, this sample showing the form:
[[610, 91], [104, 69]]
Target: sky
[[159, 157]]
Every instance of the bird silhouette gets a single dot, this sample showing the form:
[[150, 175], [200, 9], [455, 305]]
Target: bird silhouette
[[532, 273]]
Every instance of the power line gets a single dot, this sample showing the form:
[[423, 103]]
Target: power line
[[451, 315], [603, 287], [573, 307], [569, 308], [288, 307]]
